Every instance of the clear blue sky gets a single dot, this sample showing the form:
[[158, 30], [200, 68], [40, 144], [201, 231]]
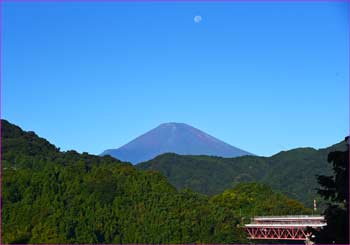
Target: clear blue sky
[[264, 77]]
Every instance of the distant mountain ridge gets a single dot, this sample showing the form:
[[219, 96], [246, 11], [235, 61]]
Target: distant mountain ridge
[[178, 138], [292, 172]]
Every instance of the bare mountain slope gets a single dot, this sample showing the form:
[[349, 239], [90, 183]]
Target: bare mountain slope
[[178, 138]]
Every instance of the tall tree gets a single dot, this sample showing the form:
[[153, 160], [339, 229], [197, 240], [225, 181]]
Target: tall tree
[[335, 189]]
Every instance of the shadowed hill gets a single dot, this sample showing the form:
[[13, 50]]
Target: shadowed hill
[[291, 172]]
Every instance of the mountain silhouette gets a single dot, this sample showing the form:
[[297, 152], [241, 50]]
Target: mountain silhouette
[[177, 138]]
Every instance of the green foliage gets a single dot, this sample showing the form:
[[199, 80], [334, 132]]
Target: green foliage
[[335, 189], [65, 197], [290, 172], [251, 199]]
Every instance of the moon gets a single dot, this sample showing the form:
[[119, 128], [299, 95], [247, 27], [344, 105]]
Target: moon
[[197, 19]]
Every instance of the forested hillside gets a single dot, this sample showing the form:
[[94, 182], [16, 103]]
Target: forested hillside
[[65, 197], [291, 172], [251, 199]]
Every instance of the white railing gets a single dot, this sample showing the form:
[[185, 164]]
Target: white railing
[[287, 225], [313, 217]]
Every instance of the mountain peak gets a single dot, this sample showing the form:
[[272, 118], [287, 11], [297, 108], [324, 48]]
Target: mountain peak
[[173, 124], [173, 137]]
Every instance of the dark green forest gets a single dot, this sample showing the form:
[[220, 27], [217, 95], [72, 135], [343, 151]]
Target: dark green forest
[[51, 196], [290, 172], [335, 189]]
